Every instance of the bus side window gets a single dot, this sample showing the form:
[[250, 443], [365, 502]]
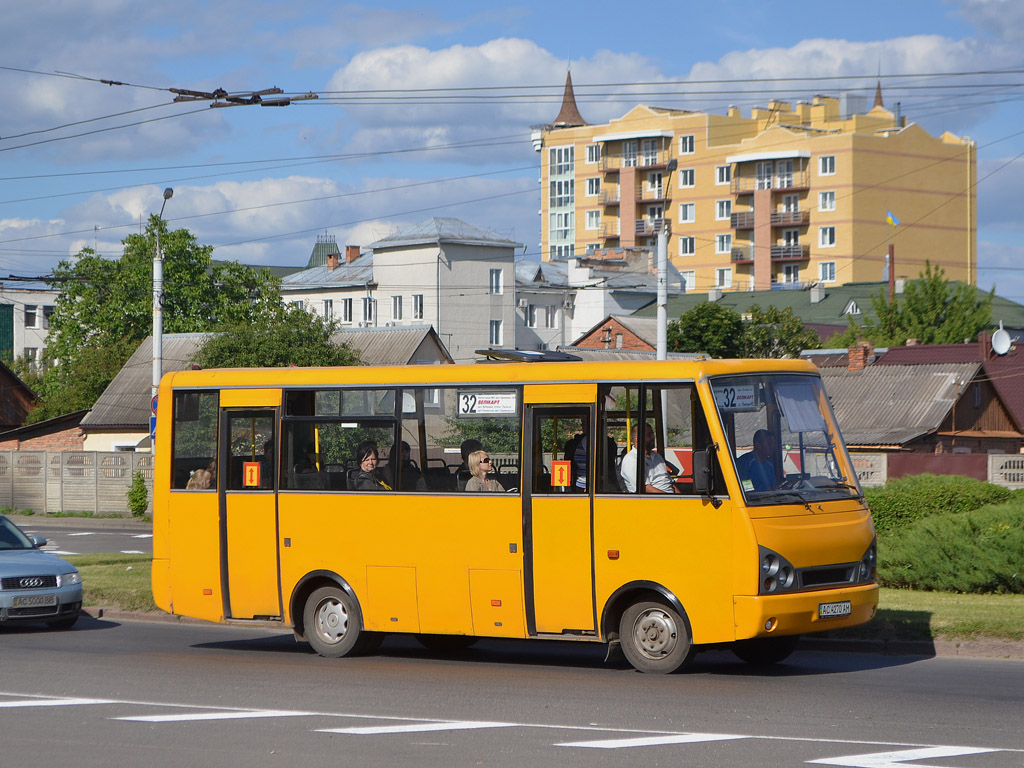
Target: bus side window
[[195, 440]]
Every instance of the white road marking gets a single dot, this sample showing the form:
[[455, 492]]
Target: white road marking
[[84, 533], [417, 728], [52, 703], [143, 536], [199, 716], [653, 741], [60, 552], [132, 552], [898, 759]]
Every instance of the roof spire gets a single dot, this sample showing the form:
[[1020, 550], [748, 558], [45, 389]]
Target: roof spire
[[878, 95], [569, 116]]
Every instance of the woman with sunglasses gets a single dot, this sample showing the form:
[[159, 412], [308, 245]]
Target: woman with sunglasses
[[479, 468]]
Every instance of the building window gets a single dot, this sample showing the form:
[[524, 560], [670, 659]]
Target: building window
[[629, 153], [784, 172], [30, 315], [826, 201], [827, 165], [562, 251], [723, 210], [723, 277], [790, 273], [369, 313], [495, 336], [763, 174], [496, 282], [562, 194], [31, 356], [329, 309], [531, 316], [396, 307], [593, 187], [417, 306], [827, 272], [689, 280], [791, 203], [686, 246], [723, 174], [593, 153], [826, 237], [649, 151], [723, 243], [593, 219], [47, 311], [977, 394], [561, 161], [686, 177], [686, 145], [346, 310], [791, 237], [687, 213], [562, 226]]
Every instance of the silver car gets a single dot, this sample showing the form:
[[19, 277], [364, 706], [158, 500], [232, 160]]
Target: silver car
[[35, 586]]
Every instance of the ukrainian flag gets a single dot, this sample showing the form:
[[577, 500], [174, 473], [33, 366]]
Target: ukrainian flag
[[893, 221]]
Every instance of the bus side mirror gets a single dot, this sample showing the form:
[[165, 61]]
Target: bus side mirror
[[704, 471]]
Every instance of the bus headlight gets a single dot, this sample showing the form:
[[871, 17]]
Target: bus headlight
[[868, 564], [777, 574]]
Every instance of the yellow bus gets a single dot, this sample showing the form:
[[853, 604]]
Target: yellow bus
[[748, 529]]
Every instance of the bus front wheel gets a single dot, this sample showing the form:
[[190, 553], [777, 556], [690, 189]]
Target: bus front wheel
[[654, 638], [763, 651], [333, 623]]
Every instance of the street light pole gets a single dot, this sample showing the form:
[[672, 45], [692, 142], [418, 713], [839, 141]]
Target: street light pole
[[158, 299]]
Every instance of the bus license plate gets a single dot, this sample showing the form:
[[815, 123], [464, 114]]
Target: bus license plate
[[34, 601], [832, 610]]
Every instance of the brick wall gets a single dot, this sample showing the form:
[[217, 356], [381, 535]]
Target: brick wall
[[613, 335], [72, 439]]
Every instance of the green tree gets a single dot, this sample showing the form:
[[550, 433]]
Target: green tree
[[708, 327], [284, 336], [774, 332], [931, 310], [106, 308]]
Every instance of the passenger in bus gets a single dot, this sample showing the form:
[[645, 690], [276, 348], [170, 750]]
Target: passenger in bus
[[462, 474], [657, 479], [364, 477], [479, 469], [267, 465], [412, 478], [203, 479], [756, 466], [310, 460]]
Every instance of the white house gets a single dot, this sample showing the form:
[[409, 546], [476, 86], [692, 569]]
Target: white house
[[25, 320]]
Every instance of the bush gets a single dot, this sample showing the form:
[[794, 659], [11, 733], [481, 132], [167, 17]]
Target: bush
[[981, 551], [138, 497], [908, 499]]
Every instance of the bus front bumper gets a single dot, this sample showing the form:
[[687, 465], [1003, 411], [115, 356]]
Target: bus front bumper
[[799, 613]]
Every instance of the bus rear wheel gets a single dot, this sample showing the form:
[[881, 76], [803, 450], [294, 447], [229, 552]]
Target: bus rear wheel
[[655, 638], [763, 651], [333, 623]]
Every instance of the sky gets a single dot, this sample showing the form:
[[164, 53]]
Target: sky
[[426, 109]]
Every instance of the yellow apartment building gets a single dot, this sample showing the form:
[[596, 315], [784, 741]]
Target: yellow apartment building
[[789, 195]]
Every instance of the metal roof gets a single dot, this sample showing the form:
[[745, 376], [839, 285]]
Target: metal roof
[[355, 273], [125, 403], [440, 230], [893, 404]]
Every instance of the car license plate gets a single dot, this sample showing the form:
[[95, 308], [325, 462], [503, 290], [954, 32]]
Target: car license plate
[[832, 610], [34, 601]]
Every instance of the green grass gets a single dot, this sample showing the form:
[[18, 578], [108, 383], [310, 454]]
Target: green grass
[[905, 614], [116, 581]]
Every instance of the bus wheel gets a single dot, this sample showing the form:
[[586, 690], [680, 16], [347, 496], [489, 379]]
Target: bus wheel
[[654, 638], [766, 650], [332, 623]]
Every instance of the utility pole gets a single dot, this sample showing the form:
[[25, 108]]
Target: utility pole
[[158, 299]]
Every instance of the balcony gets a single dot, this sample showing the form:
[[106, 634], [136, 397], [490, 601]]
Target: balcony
[[648, 194], [743, 220], [791, 218], [610, 231], [780, 182], [649, 227], [614, 163], [794, 252], [610, 197], [743, 254]]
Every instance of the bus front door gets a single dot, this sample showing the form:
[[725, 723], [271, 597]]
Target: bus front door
[[250, 575], [558, 520]]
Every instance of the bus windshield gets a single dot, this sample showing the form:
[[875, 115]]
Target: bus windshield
[[783, 439]]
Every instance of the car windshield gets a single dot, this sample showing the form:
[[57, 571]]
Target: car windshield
[[11, 536], [783, 439]]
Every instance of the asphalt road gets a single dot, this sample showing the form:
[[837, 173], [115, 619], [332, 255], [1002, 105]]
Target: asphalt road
[[83, 536], [166, 694]]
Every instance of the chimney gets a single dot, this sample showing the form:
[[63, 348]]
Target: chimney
[[861, 356], [351, 253], [714, 294], [817, 293], [332, 261]]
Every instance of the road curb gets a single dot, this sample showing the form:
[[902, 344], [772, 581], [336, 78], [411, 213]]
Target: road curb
[[51, 521]]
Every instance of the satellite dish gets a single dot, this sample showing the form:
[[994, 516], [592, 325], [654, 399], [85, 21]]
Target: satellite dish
[[1001, 340]]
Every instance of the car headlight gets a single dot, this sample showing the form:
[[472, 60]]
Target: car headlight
[[67, 579]]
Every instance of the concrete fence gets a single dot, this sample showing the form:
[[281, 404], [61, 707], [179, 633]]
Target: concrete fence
[[72, 481]]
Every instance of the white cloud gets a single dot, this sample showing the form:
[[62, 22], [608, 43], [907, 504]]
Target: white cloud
[[1003, 19]]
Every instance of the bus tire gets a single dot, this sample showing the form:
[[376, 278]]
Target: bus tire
[[655, 638], [333, 624], [763, 651]]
